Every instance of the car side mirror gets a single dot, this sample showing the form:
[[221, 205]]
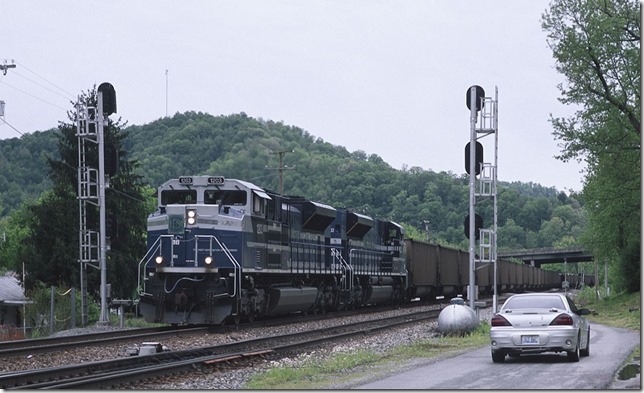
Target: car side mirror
[[584, 311]]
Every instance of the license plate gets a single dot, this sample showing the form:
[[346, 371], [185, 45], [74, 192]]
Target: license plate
[[530, 340]]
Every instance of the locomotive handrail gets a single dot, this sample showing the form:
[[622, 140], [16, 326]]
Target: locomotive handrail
[[354, 251], [231, 258], [348, 278], [157, 246], [146, 259]]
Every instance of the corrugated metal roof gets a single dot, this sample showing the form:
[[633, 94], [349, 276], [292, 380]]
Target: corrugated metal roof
[[10, 289]]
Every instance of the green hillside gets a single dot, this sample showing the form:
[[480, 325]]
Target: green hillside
[[239, 146]]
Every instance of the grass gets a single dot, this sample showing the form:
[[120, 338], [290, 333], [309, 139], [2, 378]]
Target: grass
[[316, 373], [619, 310], [132, 322], [311, 374]]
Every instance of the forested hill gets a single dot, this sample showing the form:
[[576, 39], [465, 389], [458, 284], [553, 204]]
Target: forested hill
[[238, 146]]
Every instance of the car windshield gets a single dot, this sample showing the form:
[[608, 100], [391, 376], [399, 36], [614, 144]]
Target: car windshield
[[519, 302]]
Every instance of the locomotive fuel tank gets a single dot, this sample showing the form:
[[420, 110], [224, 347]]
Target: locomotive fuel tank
[[288, 299], [379, 294]]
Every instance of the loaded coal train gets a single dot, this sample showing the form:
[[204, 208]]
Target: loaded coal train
[[225, 250]]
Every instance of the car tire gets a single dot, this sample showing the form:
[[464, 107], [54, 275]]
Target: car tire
[[586, 351], [573, 356], [498, 356]]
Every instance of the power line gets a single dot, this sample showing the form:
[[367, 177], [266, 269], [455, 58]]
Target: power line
[[43, 86], [46, 80], [14, 128], [33, 96], [4, 67]]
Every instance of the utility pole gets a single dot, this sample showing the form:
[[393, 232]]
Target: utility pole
[[4, 67], [426, 222], [281, 167]]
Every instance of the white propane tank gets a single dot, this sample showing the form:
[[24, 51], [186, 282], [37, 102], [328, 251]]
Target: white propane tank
[[457, 318]]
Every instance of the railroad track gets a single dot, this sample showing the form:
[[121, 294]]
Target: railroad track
[[113, 373], [63, 343], [53, 344]]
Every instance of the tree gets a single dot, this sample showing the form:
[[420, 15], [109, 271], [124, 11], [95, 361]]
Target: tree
[[511, 236], [596, 44], [14, 248], [54, 220]]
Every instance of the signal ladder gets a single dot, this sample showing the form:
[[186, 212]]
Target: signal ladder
[[487, 124], [89, 240]]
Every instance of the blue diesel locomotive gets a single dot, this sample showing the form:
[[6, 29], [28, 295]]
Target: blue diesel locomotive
[[224, 249]]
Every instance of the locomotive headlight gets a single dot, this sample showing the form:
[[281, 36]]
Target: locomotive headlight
[[209, 260], [158, 259], [192, 217]]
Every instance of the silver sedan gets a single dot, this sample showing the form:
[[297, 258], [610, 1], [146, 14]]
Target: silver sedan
[[540, 322]]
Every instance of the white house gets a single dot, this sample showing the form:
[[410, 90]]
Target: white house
[[12, 300]]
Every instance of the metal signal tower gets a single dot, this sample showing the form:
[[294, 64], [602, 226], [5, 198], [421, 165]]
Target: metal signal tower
[[90, 127], [484, 122]]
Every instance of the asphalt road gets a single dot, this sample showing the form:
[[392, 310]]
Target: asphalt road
[[609, 348]]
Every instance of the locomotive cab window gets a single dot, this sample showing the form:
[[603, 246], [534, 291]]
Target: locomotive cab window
[[393, 236], [178, 197], [210, 197], [225, 197], [258, 204], [273, 210], [259, 201]]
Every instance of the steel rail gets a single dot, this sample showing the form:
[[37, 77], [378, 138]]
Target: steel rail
[[49, 344]]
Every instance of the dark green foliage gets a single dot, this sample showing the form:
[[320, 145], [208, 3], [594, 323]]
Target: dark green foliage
[[630, 266], [596, 45], [24, 168]]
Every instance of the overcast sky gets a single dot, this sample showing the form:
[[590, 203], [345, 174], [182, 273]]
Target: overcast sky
[[385, 77]]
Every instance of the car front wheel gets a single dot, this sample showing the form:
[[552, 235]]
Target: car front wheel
[[498, 357]]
